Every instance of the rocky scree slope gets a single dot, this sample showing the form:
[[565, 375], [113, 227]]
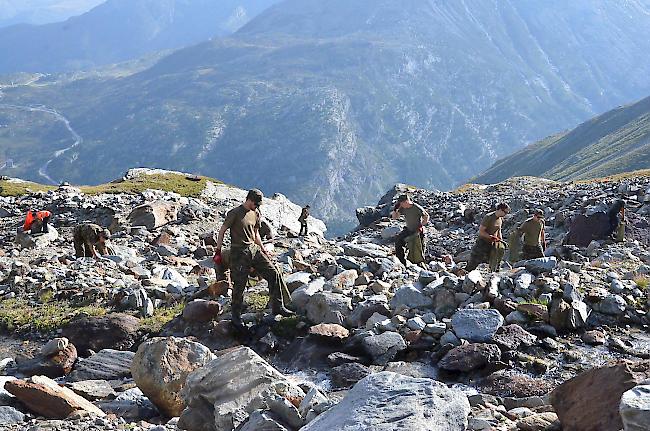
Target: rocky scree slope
[[346, 98], [615, 142], [535, 345], [120, 30]]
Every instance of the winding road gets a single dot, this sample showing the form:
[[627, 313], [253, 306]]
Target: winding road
[[77, 139]]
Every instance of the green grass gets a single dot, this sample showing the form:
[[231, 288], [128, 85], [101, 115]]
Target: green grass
[[181, 184], [642, 281], [160, 318], [22, 316], [537, 301], [11, 188], [256, 302]]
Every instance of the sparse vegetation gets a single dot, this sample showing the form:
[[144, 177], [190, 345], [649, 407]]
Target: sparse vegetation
[[256, 302], [19, 315], [181, 184], [19, 188], [642, 281], [161, 317]]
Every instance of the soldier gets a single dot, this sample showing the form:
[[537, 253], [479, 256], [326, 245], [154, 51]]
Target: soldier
[[87, 237], [415, 216], [37, 221], [304, 215], [246, 251], [534, 236], [489, 244]]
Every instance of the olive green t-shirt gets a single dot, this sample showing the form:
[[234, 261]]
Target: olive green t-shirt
[[413, 216], [492, 223], [243, 224], [532, 231]]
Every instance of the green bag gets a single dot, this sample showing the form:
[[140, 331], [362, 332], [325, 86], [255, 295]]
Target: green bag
[[514, 246]]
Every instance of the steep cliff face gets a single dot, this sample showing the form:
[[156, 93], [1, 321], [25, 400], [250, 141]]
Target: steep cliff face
[[332, 102]]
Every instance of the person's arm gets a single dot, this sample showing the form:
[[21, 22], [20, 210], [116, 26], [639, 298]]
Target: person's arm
[[543, 237], [499, 235], [222, 233], [101, 248], [483, 233], [395, 213]]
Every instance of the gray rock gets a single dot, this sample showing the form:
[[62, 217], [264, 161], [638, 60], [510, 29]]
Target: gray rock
[[131, 405], [411, 297], [473, 281], [635, 408], [39, 240], [297, 279], [387, 402], [384, 347], [613, 305], [154, 214], [328, 307], [416, 324], [364, 250], [540, 265], [365, 309], [10, 416], [346, 375], [218, 395], [93, 389], [106, 364], [476, 325], [571, 293], [301, 296], [390, 232], [262, 421]]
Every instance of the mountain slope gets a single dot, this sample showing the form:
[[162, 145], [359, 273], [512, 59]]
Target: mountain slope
[[119, 30], [617, 141], [332, 102]]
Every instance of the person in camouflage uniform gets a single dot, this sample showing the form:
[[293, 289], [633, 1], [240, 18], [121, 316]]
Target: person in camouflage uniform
[[304, 215], [416, 217], [489, 247], [534, 236], [87, 237], [246, 252]]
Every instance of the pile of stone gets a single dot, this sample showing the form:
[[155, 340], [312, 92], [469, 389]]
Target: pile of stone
[[389, 339]]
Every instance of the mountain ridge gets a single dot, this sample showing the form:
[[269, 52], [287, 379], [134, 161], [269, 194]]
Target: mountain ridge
[[616, 141]]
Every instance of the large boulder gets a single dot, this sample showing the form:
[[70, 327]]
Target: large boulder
[[584, 229], [153, 215], [476, 325], [218, 395], [635, 408], [590, 401], [107, 364], [387, 402], [113, 331], [201, 311], [45, 397], [161, 366]]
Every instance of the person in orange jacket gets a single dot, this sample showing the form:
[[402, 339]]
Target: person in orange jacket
[[37, 221]]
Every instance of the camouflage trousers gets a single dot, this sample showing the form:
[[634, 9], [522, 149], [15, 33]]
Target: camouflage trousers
[[531, 252], [486, 252], [241, 262]]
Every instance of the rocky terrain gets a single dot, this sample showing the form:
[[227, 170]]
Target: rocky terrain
[[142, 340]]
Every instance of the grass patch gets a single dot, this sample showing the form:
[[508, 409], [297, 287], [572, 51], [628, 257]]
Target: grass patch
[[23, 316], [161, 317], [287, 327], [537, 301], [618, 177], [642, 282], [181, 184], [20, 188], [256, 302]]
